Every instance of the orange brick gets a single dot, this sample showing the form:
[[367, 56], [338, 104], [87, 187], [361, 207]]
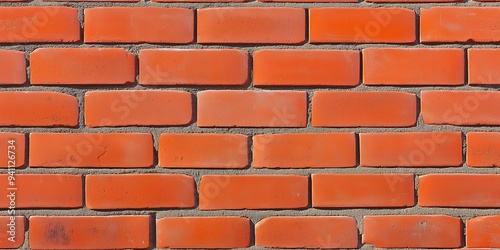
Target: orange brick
[[415, 1], [483, 231], [413, 149], [13, 234], [16, 144], [139, 25], [304, 150], [211, 67], [203, 151], [203, 232], [41, 191], [114, 150], [38, 109], [89, 232], [245, 108], [307, 232], [361, 25], [460, 107], [306, 68], [362, 190], [408, 66], [64, 66], [137, 108], [260, 192], [136, 191], [459, 190], [39, 24], [363, 109], [483, 66], [127, 1], [459, 24], [251, 25], [412, 231], [483, 149], [12, 67]]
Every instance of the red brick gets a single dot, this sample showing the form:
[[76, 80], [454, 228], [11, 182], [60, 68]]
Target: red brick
[[113, 150], [483, 66], [203, 151], [415, 1], [203, 232], [412, 231], [246, 108], [253, 192], [136, 191], [139, 25], [251, 25], [412, 149], [12, 238], [362, 190], [199, 1], [459, 190], [39, 24], [459, 24], [483, 231], [307, 232], [14, 143], [361, 25], [89, 232], [324, 150], [306, 68], [42, 190], [64, 66], [408, 66], [137, 108], [127, 1], [12, 67], [460, 107], [38, 109], [483, 149], [175, 67], [363, 109]]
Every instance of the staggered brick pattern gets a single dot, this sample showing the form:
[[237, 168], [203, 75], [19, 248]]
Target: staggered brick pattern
[[133, 124]]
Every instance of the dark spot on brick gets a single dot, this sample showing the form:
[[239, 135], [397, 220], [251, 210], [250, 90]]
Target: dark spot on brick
[[57, 234]]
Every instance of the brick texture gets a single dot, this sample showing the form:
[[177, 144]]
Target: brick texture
[[238, 124]]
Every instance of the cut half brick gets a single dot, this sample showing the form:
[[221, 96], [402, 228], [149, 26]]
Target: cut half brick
[[483, 66], [483, 149], [483, 231], [12, 144], [12, 67], [13, 235]]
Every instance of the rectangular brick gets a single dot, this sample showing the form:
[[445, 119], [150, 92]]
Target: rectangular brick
[[483, 149], [91, 150], [218, 192], [12, 67], [306, 68], [251, 25], [363, 109], [410, 66], [139, 25], [361, 25], [483, 66], [412, 149], [12, 150], [168, 67], [246, 108], [313, 150]]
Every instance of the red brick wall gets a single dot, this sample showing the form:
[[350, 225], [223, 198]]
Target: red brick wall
[[264, 124]]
